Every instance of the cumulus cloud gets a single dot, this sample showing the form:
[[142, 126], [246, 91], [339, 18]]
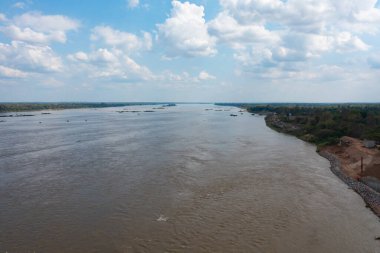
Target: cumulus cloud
[[133, 3], [111, 64], [307, 16], [29, 35], [29, 51], [269, 35], [185, 32], [203, 75], [227, 29], [24, 57], [116, 38], [345, 41], [34, 27], [79, 56], [111, 59]]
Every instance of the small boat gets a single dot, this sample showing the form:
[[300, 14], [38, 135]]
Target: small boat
[[233, 115]]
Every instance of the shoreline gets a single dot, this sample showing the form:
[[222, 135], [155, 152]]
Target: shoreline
[[30, 107], [370, 196]]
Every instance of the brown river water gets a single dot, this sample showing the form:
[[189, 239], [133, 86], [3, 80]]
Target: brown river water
[[181, 179]]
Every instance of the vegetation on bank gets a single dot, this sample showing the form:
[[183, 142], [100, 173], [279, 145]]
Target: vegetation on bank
[[19, 107], [322, 124]]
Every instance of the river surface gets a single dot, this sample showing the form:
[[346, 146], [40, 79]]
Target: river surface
[[181, 179]]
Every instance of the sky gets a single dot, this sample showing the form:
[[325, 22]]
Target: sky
[[190, 51]]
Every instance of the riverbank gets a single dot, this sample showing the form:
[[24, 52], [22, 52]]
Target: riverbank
[[23, 107], [345, 162], [353, 154], [370, 196]]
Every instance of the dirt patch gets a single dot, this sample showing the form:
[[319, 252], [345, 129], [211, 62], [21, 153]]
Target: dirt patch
[[350, 151], [373, 171]]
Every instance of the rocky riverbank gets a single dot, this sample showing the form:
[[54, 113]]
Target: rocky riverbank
[[349, 171], [371, 197]]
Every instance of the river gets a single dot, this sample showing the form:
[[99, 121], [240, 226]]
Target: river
[[181, 179]]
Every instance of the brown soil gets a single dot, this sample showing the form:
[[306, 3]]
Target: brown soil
[[373, 171], [350, 151]]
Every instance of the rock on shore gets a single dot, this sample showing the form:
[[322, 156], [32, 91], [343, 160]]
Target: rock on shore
[[371, 197]]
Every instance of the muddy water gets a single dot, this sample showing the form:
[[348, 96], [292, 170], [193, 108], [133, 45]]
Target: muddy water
[[177, 180]]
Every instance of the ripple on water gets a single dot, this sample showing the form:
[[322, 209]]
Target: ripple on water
[[180, 180]]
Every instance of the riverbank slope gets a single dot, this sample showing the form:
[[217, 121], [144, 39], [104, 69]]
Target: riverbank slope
[[354, 164]]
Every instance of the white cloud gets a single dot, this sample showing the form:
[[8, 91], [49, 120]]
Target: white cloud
[[227, 29], [345, 41], [185, 33], [133, 3], [276, 35], [19, 5], [312, 45], [125, 40], [110, 57], [29, 58], [306, 16], [11, 73], [3, 17], [33, 27], [203, 75], [46, 23], [312, 74], [79, 56], [371, 15], [183, 79], [29, 35], [111, 64]]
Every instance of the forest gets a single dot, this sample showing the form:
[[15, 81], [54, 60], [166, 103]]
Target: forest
[[322, 123]]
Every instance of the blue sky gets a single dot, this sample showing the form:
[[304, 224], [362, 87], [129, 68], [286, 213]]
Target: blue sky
[[206, 51]]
